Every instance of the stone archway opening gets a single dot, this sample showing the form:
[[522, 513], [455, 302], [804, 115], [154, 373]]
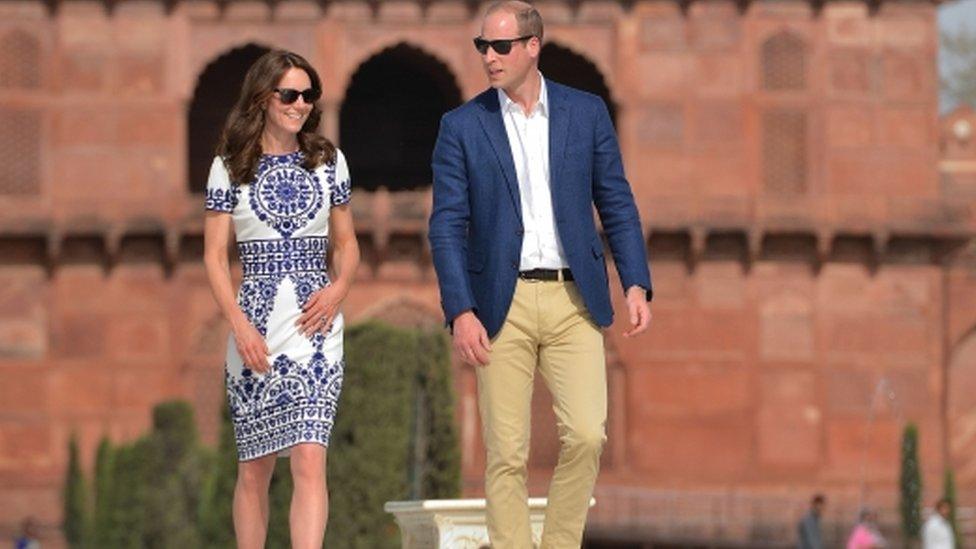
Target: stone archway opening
[[390, 117], [568, 67], [217, 89]]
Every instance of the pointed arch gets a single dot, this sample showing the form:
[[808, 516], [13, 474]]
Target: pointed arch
[[216, 92], [390, 116]]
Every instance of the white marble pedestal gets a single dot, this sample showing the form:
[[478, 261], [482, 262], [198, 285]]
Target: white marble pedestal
[[453, 523]]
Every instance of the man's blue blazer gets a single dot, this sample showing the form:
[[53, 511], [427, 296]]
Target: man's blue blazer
[[476, 222]]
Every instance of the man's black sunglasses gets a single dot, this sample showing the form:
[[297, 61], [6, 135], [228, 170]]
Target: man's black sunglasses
[[502, 46], [289, 96]]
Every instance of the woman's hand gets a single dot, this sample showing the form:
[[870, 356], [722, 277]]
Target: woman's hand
[[251, 347], [321, 309]]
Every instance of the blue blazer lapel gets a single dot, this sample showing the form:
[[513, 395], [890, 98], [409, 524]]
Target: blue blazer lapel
[[494, 126], [559, 118]]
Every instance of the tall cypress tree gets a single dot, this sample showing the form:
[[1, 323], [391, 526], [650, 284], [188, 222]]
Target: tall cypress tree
[[104, 493], [442, 474], [949, 493], [176, 465], [75, 500], [911, 484], [216, 508]]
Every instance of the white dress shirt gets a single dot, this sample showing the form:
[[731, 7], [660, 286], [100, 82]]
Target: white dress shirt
[[937, 534], [528, 137]]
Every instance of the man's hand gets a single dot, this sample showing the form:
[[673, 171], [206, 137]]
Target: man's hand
[[640, 313], [471, 340]]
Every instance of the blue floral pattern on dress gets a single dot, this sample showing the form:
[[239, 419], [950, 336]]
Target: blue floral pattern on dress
[[284, 194], [221, 200], [296, 400], [292, 403]]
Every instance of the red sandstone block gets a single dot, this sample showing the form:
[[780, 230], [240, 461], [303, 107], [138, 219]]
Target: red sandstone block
[[906, 76], [914, 33], [720, 121], [790, 435], [715, 26], [854, 443], [156, 126], [850, 390], [786, 329], [850, 71], [82, 72], [79, 289], [28, 499], [910, 127], [140, 387], [843, 288], [665, 31], [849, 333], [849, 126], [89, 181], [24, 444], [80, 389], [849, 25], [695, 448], [664, 73], [24, 390], [138, 338], [721, 285], [140, 288], [79, 335], [84, 127], [689, 390], [722, 174]]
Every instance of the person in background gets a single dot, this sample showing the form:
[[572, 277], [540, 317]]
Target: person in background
[[937, 532], [866, 534], [28, 535], [809, 527]]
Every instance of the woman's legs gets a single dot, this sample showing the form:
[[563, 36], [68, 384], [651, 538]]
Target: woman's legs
[[251, 501], [310, 500]]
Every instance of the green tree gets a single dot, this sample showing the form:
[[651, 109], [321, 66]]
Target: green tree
[[75, 499], [442, 456], [104, 494], [958, 79], [177, 464], [911, 484], [394, 437], [216, 509], [949, 493], [131, 483]]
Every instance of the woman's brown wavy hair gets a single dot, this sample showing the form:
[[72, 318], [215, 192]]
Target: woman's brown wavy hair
[[240, 142]]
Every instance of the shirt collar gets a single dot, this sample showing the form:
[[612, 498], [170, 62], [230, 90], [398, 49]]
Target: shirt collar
[[542, 105]]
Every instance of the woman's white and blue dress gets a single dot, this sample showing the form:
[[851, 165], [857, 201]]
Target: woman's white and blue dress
[[281, 223]]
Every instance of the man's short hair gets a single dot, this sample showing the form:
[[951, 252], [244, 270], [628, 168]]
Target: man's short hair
[[943, 501], [527, 17], [818, 499]]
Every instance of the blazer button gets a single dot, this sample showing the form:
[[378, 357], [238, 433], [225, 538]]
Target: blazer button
[[515, 264], [520, 232]]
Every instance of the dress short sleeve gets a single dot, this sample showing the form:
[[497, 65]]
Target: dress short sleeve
[[221, 196], [341, 189]]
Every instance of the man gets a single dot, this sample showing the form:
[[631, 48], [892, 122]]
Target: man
[[523, 280], [937, 532], [809, 527]]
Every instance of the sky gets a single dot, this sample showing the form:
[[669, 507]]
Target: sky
[[954, 15]]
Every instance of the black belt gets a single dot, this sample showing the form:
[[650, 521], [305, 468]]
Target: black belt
[[547, 274]]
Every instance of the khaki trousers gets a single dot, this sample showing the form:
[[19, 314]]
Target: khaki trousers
[[547, 329]]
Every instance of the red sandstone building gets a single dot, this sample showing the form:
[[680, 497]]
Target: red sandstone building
[[806, 211]]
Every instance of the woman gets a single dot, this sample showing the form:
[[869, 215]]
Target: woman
[[284, 190], [866, 534]]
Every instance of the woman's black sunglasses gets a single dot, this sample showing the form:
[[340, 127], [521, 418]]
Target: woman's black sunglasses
[[501, 47], [289, 96]]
